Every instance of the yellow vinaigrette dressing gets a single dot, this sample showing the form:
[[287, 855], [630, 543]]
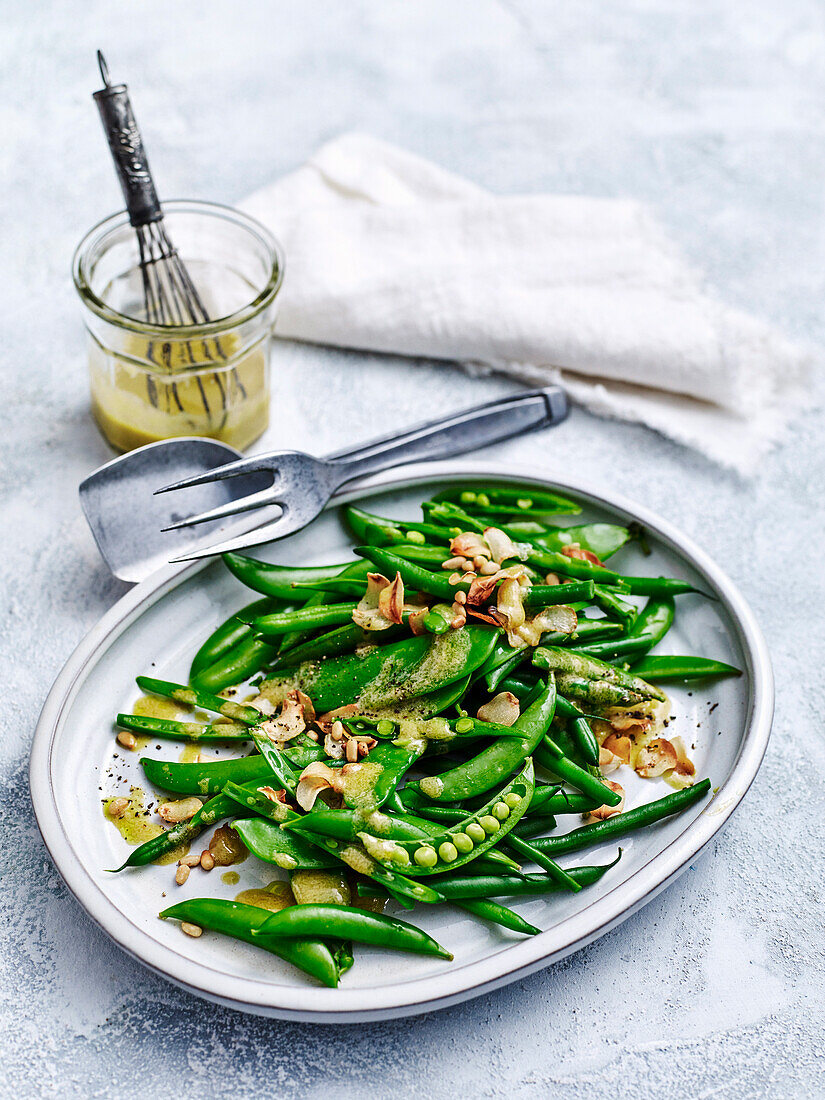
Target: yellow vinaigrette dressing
[[151, 380]]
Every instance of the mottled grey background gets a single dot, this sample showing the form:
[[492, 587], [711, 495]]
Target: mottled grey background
[[710, 110]]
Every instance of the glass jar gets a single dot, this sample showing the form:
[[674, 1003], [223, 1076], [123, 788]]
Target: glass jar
[[151, 381]]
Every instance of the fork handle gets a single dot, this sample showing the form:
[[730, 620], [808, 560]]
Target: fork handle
[[469, 430]]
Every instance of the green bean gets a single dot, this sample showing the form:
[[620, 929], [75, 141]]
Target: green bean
[[184, 731], [415, 576], [553, 561], [461, 887], [545, 595], [530, 851], [496, 913], [342, 921], [649, 627], [585, 741], [614, 606], [334, 643], [661, 586], [683, 668], [304, 618], [228, 634], [269, 842], [551, 757], [241, 922], [623, 823]]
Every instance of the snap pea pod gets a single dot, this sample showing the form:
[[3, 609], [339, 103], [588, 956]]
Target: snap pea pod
[[517, 502], [424, 555], [231, 918], [204, 779], [193, 697], [504, 660], [228, 634], [683, 668], [212, 811], [496, 913], [568, 709], [449, 515], [269, 842], [245, 659], [275, 580], [534, 825], [389, 674], [339, 586], [551, 757], [477, 833], [253, 797], [623, 823], [489, 767], [346, 825], [597, 693], [345, 922], [184, 731], [553, 561], [546, 595], [556, 659], [601, 539]]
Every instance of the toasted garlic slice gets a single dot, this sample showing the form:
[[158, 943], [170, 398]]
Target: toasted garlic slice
[[502, 709]]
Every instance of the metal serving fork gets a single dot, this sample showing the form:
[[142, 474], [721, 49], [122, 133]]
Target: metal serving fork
[[302, 485]]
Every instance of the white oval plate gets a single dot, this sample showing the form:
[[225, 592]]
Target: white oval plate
[[156, 628]]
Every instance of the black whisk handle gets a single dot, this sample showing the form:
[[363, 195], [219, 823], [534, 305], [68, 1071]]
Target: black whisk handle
[[126, 146]]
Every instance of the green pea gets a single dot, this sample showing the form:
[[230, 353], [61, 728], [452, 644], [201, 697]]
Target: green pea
[[524, 502], [475, 832], [501, 811], [513, 800], [447, 851], [417, 537], [463, 843], [464, 725], [426, 856], [489, 824], [483, 500], [467, 497], [385, 727]]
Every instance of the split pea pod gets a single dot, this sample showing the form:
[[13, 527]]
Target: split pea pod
[[501, 500], [348, 923], [627, 822], [241, 922], [473, 836]]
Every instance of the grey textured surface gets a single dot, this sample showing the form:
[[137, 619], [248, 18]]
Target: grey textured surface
[[709, 110]]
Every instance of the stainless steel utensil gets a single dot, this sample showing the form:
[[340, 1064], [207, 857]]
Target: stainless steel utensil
[[301, 485]]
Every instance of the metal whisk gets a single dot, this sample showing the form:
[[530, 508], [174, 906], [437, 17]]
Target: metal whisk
[[169, 294]]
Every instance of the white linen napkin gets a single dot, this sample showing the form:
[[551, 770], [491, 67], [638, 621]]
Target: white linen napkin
[[388, 252]]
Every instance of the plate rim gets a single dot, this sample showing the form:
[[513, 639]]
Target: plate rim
[[312, 1004]]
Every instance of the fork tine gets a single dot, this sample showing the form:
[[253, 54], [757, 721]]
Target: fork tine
[[231, 469], [232, 508], [252, 538]]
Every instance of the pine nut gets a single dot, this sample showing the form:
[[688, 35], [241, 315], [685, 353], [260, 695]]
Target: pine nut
[[337, 731], [479, 560], [352, 751], [489, 568], [118, 807], [182, 874], [193, 930], [461, 597], [128, 740], [452, 563], [207, 860], [189, 861], [176, 812]]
